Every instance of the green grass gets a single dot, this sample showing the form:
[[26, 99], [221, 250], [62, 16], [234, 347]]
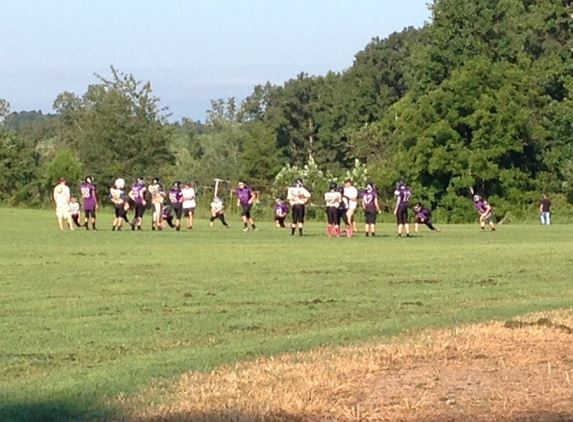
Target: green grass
[[85, 316]]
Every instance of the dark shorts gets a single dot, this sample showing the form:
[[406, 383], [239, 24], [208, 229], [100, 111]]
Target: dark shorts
[[139, 210], [178, 210], [402, 214], [280, 221], [119, 211], [332, 216], [246, 212], [298, 213], [342, 216], [370, 216], [90, 213], [189, 212]]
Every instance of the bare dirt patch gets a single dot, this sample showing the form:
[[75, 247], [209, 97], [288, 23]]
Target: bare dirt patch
[[519, 370]]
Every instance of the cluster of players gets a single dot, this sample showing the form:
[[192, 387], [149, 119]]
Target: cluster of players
[[170, 206]]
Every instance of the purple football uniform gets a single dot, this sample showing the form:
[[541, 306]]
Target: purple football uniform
[[137, 193], [423, 214], [281, 210], [87, 191], [175, 196], [481, 206], [403, 195], [369, 199], [244, 195]]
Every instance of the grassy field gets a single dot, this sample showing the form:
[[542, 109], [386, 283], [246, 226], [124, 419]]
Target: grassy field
[[85, 316]]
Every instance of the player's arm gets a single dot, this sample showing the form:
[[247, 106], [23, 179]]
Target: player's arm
[[95, 199], [377, 205], [397, 205]]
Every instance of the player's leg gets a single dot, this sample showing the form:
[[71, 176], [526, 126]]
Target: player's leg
[[223, 221], [301, 220], [244, 217]]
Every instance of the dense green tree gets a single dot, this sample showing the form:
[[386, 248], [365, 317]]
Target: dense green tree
[[116, 128], [19, 164]]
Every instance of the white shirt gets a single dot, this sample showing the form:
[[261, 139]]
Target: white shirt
[[62, 195], [74, 208], [332, 199], [188, 195], [216, 207], [297, 195], [352, 194]]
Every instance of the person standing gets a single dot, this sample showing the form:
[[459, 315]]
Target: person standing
[[189, 203], [332, 199], [89, 202], [157, 198], [137, 196], [403, 194], [176, 199], [297, 196], [371, 208], [545, 210], [62, 199], [245, 199], [351, 193], [117, 197]]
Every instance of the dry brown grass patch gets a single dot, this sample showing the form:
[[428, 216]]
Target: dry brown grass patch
[[482, 372]]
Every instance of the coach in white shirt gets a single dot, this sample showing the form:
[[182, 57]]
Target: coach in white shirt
[[189, 204], [62, 199], [351, 193]]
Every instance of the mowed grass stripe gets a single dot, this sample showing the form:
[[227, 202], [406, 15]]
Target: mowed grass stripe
[[86, 315]]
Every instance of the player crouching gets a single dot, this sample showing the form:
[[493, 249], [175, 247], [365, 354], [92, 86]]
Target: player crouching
[[281, 211], [217, 212], [485, 212], [423, 216]]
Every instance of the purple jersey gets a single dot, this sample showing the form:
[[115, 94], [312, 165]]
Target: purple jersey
[[137, 193], [423, 214], [403, 195], [166, 213], [369, 199], [175, 196], [481, 206], [87, 191], [244, 195], [281, 210]]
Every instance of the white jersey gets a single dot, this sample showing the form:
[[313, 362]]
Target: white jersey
[[216, 207], [74, 208], [332, 199], [188, 195], [352, 194], [297, 195], [62, 196]]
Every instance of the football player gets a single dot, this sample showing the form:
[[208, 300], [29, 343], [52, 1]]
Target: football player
[[297, 196], [89, 202], [423, 215], [485, 212], [403, 194], [371, 208], [332, 199]]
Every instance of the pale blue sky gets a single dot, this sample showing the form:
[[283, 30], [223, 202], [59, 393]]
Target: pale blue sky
[[190, 51]]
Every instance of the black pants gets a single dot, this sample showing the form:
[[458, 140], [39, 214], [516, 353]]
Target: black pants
[[220, 216], [298, 212], [76, 219], [280, 221]]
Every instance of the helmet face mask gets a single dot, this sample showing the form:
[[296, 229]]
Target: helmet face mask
[[417, 207], [88, 179], [298, 182], [477, 198], [333, 186]]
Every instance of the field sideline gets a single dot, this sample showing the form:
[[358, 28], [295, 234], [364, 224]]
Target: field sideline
[[85, 316]]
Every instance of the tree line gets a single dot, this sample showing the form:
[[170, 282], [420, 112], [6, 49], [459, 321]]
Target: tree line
[[477, 98]]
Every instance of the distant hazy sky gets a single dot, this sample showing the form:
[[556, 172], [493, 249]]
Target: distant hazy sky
[[190, 51]]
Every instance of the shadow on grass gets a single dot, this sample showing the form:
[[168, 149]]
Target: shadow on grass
[[69, 412], [55, 411], [286, 417]]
